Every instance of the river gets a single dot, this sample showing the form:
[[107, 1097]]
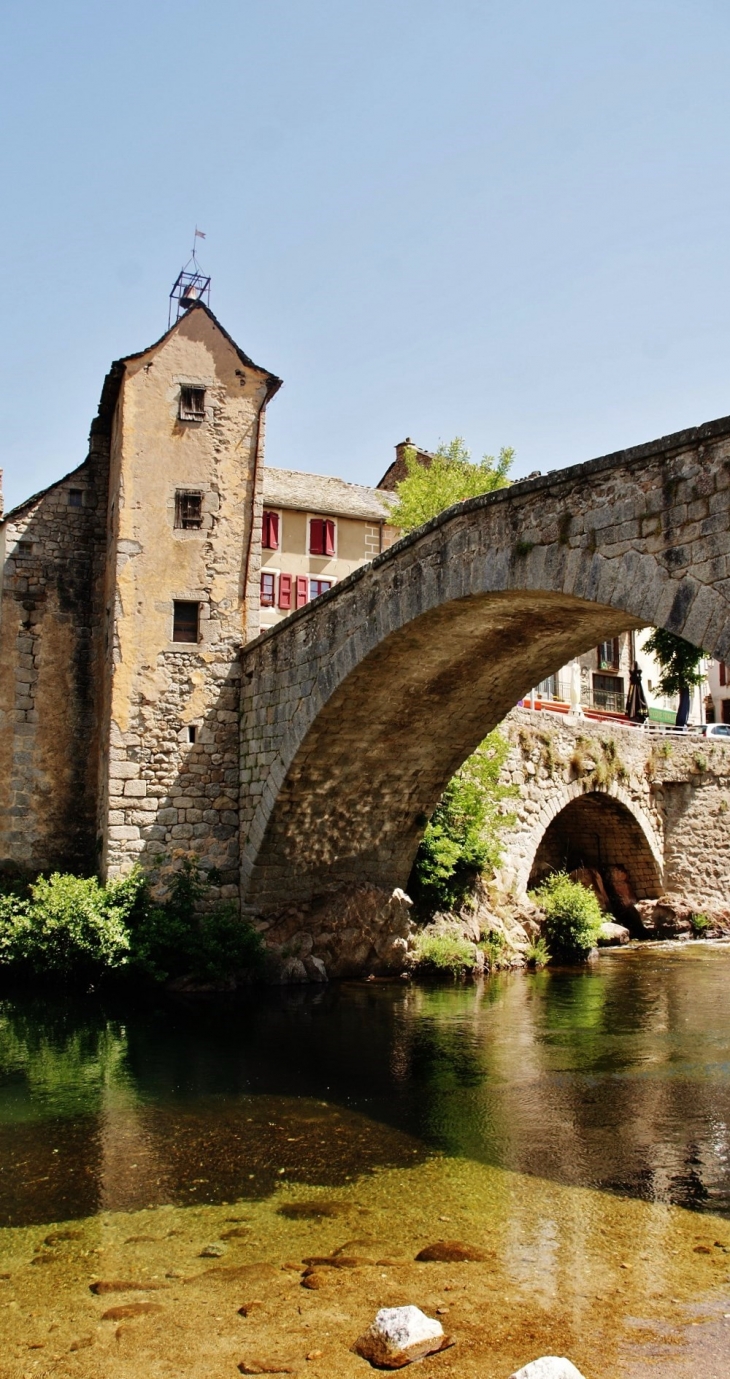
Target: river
[[570, 1127]]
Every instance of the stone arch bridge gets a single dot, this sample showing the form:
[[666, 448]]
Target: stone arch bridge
[[602, 795], [357, 710]]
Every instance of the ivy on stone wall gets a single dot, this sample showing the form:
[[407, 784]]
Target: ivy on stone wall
[[463, 838]]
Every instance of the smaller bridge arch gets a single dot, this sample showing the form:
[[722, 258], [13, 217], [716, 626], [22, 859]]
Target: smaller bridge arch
[[593, 828]]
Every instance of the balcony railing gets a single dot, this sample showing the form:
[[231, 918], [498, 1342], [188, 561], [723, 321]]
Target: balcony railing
[[607, 700]]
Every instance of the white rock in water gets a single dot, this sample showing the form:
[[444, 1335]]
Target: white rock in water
[[548, 1367], [399, 1335]]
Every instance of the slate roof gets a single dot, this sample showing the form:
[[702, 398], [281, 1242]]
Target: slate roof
[[291, 488]]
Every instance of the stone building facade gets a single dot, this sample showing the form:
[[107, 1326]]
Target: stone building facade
[[315, 531], [128, 589]]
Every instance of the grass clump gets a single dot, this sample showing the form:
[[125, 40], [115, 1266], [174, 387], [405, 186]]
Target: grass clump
[[444, 953], [537, 954], [572, 917], [492, 946], [699, 924]]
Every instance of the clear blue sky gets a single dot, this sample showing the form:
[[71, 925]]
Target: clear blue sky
[[504, 219]]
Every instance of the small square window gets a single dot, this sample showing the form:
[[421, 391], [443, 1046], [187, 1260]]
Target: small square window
[[319, 586], [268, 590], [188, 510], [185, 621], [76, 497], [192, 404]]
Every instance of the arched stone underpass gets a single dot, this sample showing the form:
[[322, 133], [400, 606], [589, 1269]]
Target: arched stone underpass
[[599, 832], [357, 710]]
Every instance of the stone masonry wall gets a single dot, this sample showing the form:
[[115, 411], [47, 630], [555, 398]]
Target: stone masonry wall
[[598, 793], [50, 660]]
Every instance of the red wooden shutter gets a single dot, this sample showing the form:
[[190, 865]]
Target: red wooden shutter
[[723, 673], [302, 590], [329, 538], [285, 591], [270, 531], [316, 536]]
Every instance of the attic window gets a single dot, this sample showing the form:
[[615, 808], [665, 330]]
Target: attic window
[[188, 510], [192, 404], [76, 497]]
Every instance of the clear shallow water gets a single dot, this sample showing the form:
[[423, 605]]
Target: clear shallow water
[[574, 1126], [616, 1078]]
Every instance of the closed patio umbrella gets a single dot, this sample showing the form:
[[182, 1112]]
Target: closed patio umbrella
[[636, 707]]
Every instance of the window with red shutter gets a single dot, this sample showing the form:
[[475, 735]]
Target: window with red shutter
[[319, 586], [316, 536], [270, 531], [329, 538], [285, 591], [268, 590], [302, 590]]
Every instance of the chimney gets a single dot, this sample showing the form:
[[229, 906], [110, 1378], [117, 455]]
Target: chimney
[[397, 471]]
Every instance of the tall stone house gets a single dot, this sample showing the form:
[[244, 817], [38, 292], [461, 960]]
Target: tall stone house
[[128, 588]]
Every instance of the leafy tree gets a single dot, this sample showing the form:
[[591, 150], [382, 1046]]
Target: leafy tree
[[462, 837], [679, 663], [451, 477]]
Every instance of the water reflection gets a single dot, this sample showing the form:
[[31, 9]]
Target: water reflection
[[615, 1078]]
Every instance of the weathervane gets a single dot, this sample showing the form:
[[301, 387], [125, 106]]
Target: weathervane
[[191, 285]]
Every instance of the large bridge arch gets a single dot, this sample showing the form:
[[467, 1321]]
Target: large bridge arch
[[357, 710]]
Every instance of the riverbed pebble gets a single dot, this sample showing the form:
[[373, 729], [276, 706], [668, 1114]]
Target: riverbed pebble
[[548, 1367], [122, 1286], [271, 1366], [450, 1252], [400, 1335]]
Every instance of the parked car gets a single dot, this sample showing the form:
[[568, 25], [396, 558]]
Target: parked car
[[714, 729]]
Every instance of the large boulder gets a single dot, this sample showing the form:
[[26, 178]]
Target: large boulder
[[399, 1335], [548, 1367], [592, 879], [620, 890], [667, 917], [612, 935], [351, 932]]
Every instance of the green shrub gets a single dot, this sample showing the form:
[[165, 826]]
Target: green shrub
[[572, 917], [69, 925], [75, 928], [462, 838], [176, 939], [444, 952], [700, 924]]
